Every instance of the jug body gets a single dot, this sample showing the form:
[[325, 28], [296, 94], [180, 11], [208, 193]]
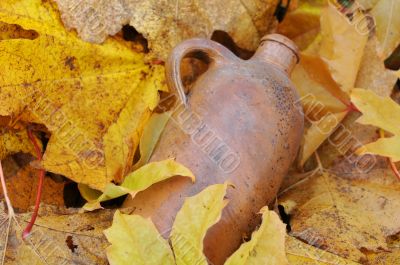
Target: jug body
[[241, 122]]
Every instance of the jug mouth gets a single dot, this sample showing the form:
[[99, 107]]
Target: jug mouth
[[284, 41]]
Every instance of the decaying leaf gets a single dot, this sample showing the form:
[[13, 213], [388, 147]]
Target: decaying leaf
[[196, 216], [382, 112], [61, 237], [94, 99], [300, 253], [137, 181], [136, 241], [166, 23], [357, 214], [390, 257], [267, 244], [22, 188]]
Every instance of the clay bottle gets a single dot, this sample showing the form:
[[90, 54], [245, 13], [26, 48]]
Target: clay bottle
[[241, 121]]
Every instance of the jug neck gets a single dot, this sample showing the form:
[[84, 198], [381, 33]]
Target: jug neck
[[278, 50]]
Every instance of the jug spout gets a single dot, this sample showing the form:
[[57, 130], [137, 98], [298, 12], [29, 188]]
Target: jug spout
[[279, 50]]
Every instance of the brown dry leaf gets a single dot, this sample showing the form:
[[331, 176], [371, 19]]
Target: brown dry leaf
[[390, 257], [22, 188], [300, 253], [59, 237], [93, 99], [343, 216], [166, 23]]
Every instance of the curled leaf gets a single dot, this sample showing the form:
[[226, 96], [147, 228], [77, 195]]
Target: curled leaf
[[196, 216], [140, 180], [150, 136]]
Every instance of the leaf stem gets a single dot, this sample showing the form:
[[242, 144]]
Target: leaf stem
[[10, 211], [28, 229]]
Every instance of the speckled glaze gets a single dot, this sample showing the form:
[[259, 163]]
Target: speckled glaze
[[240, 122]]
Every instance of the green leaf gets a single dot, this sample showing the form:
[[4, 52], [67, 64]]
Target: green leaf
[[267, 244], [196, 216], [151, 133], [136, 241], [140, 180]]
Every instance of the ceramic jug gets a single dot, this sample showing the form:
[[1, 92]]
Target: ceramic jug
[[241, 122]]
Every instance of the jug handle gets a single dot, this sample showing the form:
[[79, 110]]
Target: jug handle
[[213, 51]]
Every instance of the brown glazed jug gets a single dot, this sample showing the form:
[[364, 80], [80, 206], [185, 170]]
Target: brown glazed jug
[[240, 122]]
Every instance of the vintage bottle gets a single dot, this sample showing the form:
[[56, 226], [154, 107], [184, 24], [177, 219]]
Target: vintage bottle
[[241, 121]]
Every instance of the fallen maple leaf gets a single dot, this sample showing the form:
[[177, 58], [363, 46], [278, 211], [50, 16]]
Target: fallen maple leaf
[[267, 244], [342, 216], [196, 216], [166, 23], [94, 99], [61, 236], [373, 74], [387, 21], [135, 182], [382, 112], [22, 188], [300, 253], [390, 257], [136, 241], [342, 45], [326, 73]]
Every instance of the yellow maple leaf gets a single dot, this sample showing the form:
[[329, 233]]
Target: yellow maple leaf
[[135, 182], [15, 141], [302, 24], [350, 210], [134, 238], [326, 73], [382, 112], [94, 99], [196, 216], [136, 241], [387, 20], [267, 244]]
